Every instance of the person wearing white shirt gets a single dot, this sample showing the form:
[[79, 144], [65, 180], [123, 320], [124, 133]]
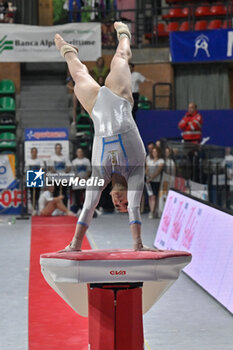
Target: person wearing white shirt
[[82, 169], [136, 79], [60, 164], [34, 164], [150, 146], [49, 205], [154, 168]]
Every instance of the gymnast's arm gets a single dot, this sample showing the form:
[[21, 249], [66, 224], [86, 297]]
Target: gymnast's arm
[[135, 189], [92, 198]]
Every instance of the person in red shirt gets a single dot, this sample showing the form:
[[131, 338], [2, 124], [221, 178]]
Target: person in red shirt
[[191, 125]]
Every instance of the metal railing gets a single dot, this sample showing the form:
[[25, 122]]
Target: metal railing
[[204, 164], [144, 23]]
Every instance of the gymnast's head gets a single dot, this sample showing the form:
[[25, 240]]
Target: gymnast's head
[[119, 193]]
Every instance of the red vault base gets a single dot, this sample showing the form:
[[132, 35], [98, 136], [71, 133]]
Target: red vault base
[[115, 316]]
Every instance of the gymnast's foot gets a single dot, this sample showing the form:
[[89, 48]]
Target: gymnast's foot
[[63, 46], [122, 29]]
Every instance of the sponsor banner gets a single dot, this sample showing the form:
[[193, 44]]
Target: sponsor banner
[[46, 134], [10, 200], [24, 43], [7, 170], [44, 140], [10, 193], [207, 233], [198, 190], [200, 46]]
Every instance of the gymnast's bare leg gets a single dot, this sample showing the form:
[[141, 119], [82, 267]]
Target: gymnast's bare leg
[[86, 88]]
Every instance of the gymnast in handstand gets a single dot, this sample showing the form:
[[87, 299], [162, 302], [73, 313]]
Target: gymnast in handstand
[[118, 153]]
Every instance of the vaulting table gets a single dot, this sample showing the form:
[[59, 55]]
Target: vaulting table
[[113, 288]]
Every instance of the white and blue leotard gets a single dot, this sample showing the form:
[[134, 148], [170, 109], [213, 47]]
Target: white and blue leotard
[[117, 148]]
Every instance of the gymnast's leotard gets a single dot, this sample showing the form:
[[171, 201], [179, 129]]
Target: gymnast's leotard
[[117, 148]]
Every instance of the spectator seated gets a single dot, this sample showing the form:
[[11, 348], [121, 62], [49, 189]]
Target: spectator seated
[[7, 12]]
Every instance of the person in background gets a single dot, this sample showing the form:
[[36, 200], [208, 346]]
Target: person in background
[[3, 10], [82, 169], [99, 69], [60, 164], [136, 79], [49, 205], [154, 168], [101, 80], [108, 34], [34, 164], [191, 125], [150, 147], [169, 166], [145, 195], [9, 17], [228, 163]]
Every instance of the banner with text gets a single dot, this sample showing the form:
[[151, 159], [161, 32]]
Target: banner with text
[[206, 232], [7, 170], [24, 43], [45, 140], [200, 46], [10, 193]]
